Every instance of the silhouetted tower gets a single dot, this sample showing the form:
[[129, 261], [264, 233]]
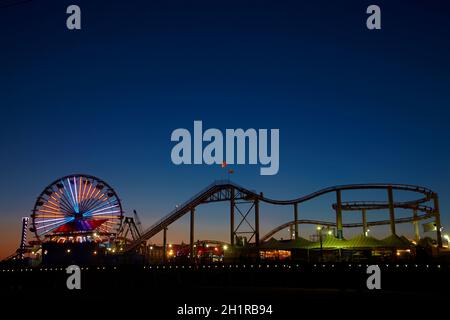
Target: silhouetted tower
[[23, 240]]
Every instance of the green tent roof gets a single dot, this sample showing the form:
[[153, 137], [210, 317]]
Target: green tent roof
[[362, 241], [395, 241], [300, 243], [272, 243], [329, 242]]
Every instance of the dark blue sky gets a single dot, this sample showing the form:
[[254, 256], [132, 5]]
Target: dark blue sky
[[352, 105]]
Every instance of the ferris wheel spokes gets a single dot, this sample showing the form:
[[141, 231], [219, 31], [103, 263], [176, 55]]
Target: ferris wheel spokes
[[77, 204]]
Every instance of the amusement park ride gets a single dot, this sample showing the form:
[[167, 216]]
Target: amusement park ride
[[83, 214], [74, 208]]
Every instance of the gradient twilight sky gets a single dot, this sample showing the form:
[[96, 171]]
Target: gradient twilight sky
[[352, 105]]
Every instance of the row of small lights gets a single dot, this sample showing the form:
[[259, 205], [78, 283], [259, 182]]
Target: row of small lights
[[225, 247], [216, 266]]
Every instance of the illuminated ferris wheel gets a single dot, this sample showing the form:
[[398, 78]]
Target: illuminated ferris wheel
[[77, 206]]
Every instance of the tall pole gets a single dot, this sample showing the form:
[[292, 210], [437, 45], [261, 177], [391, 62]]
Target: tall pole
[[23, 240], [391, 209], [296, 221], [165, 245], [416, 226], [340, 232], [232, 216], [257, 222], [321, 243], [191, 238], [364, 221], [437, 220]]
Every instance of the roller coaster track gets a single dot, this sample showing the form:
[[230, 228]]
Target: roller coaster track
[[348, 225], [378, 205], [212, 191]]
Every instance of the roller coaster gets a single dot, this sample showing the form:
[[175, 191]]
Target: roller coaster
[[226, 190]]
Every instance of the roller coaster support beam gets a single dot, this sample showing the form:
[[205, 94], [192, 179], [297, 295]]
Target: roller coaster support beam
[[437, 220], [296, 220], [191, 238], [257, 222], [364, 221], [232, 216], [340, 233], [416, 226], [165, 245], [391, 209]]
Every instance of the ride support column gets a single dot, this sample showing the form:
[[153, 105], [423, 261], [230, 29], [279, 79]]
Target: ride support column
[[165, 245], [364, 221], [391, 209], [257, 222], [296, 221], [340, 231], [232, 217], [437, 220], [191, 237], [416, 226]]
